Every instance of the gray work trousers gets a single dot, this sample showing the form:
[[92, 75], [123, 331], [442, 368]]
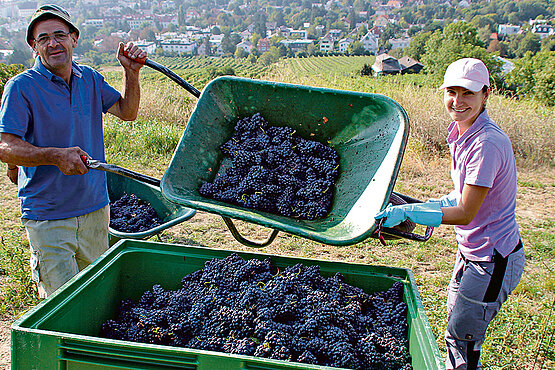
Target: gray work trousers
[[475, 294]]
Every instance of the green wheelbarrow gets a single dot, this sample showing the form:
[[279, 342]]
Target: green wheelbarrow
[[369, 132], [170, 213]]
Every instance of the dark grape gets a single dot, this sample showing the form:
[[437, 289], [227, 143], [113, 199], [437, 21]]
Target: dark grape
[[249, 307], [274, 170]]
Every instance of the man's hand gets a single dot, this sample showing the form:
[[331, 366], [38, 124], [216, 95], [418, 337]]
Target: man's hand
[[12, 173], [69, 161], [128, 56]]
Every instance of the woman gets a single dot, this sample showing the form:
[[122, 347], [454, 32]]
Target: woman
[[490, 257]]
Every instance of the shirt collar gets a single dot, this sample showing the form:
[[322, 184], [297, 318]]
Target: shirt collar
[[76, 69], [479, 123]]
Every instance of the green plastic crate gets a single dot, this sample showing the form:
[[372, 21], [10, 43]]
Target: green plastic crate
[[62, 331]]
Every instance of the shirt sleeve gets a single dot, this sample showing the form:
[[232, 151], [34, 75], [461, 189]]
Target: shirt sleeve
[[109, 94], [484, 162], [15, 114]]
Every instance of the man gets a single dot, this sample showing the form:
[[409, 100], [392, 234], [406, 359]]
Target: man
[[50, 116]]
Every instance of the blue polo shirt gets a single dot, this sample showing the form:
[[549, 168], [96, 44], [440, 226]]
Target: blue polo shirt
[[43, 110]]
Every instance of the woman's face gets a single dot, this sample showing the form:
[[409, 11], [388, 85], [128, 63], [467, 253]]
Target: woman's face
[[463, 105]]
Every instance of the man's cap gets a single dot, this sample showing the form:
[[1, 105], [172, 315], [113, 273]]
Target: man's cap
[[50, 10], [470, 73]]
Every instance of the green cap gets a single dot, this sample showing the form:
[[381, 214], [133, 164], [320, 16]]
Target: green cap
[[49, 10]]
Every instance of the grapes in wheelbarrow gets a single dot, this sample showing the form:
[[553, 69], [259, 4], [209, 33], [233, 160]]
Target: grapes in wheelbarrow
[[274, 170], [131, 214]]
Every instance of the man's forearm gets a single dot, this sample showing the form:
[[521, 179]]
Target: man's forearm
[[131, 95], [15, 151]]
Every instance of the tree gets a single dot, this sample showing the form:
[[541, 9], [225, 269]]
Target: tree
[[534, 76], [19, 56], [147, 34], [181, 16], [417, 45], [7, 72], [240, 53], [531, 42], [457, 41], [356, 48], [269, 57]]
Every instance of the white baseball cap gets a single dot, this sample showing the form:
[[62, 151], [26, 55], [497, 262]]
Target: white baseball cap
[[470, 73]]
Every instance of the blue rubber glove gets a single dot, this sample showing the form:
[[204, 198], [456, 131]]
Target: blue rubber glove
[[428, 214], [449, 200]]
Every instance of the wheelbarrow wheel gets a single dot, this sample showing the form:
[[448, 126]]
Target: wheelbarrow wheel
[[406, 226]]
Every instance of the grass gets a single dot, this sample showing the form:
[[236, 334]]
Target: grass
[[521, 336]]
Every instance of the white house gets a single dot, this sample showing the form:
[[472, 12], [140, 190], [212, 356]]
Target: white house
[[245, 45], [507, 29], [370, 42], [543, 30], [399, 43], [296, 45], [343, 44], [326, 43], [98, 23], [178, 46], [148, 46]]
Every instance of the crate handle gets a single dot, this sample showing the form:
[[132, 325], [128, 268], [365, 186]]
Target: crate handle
[[243, 240]]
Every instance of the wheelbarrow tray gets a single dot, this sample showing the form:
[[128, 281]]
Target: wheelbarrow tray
[[170, 213], [369, 132]]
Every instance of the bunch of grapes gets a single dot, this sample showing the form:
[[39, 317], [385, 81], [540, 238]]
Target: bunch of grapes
[[274, 170], [131, 215], [250, 307]]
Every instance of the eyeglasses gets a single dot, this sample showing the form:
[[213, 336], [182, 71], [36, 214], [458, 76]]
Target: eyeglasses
[[59, 36]]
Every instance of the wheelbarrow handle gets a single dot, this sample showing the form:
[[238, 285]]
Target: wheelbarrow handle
[[381, 230], [165, 70], [97, 165], [249, 243]]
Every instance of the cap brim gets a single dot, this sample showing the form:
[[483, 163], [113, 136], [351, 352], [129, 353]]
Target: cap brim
[[463, 82]]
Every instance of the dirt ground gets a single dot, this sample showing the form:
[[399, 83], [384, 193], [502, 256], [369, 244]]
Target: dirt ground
[[534, 203]]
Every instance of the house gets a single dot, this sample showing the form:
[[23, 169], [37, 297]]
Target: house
[[135, 22], [148, 46], [179, 46], [343, 44], [543, 30], [98, 23], [409, 65], [319, 30], [395, 4], [326, 43], [297, 45], [245, 45], [335, 34], [370, 42], [263, 45], [381, 21], [507, 29], [301, 34], [399, 43], [386, 64]]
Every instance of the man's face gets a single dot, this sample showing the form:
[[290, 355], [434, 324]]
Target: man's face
[[55, 52]]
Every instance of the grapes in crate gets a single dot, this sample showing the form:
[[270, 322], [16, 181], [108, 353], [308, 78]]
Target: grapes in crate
[[130, 214], [274, 170], [250, 307]]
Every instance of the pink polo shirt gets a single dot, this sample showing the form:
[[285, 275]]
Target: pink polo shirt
[[484, 156]]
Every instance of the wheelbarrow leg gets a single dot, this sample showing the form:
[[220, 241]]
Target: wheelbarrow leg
[[243, 240]]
